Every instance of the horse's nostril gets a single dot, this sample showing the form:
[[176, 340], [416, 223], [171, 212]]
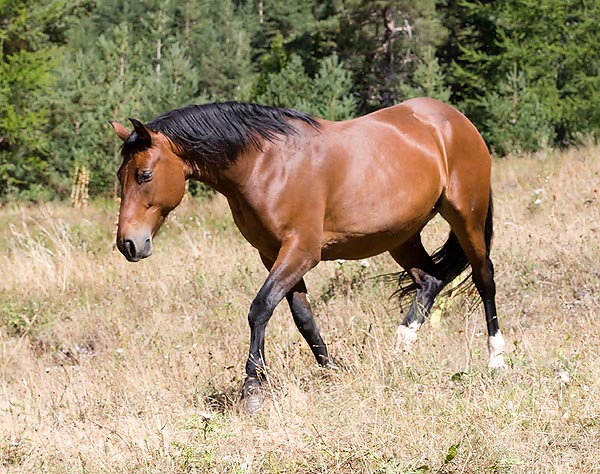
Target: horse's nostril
[[148, 247], [129, 248]]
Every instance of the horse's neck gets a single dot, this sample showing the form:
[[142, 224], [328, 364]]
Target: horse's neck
[[226, 181]]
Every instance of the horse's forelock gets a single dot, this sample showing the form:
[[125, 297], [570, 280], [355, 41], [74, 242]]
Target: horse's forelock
[[134, 144]]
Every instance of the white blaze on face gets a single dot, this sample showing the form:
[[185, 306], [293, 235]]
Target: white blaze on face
[[496, 346], [406, 336]]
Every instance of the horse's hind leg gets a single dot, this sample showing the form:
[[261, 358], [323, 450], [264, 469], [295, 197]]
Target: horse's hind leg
[[471, 228], [413, 257], [483, 277]]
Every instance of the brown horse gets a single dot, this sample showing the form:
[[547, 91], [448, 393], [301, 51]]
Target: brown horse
[[302, 190]]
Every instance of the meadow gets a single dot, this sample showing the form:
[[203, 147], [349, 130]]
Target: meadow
[[113, 367]]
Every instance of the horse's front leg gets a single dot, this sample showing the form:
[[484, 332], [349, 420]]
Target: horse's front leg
[[304, 319], [306, 324], [293, 261]]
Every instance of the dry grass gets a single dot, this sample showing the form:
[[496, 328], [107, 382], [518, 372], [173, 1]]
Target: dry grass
[[107, 366]]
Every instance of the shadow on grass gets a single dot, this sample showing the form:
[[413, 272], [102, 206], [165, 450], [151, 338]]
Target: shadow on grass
[[224, 401]]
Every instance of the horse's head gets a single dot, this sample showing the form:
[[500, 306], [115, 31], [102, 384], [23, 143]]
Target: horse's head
[[152, 179]]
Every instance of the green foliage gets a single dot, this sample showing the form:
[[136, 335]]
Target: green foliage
[[331, 91], [427, 80], [383, 42], [28, 71], [327, 95], [219, 43], [517, 120], [309, 29], [526, 72], [552, 45], [452, 453], [115, 83]]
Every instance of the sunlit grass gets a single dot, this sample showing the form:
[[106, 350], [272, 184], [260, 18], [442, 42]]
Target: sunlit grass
[[108, 366]]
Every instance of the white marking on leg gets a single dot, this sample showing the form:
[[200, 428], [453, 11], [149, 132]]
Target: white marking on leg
[[406, 335], [496, 346]]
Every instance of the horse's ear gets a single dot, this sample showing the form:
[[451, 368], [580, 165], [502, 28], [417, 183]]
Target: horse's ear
[[120, 130], [142, 131]]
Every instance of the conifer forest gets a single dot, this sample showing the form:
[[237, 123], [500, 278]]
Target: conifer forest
[[526, 72]]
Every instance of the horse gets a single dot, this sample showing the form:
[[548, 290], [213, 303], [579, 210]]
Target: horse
[[303, 189]]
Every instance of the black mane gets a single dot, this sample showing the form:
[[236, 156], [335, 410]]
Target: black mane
[[215, 134]]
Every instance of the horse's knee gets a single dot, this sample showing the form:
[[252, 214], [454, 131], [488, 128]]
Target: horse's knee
[[260, 311]]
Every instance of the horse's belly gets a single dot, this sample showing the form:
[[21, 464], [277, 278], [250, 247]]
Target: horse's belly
[[379, 218], [355, 245]]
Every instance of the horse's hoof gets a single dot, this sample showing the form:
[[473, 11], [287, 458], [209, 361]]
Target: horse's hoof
[[252, 394], [497, 362], [332, 364], [253, 403]]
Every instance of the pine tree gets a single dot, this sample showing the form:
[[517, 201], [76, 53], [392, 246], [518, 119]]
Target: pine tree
[[545, 51], [118, 77], [220, 48], [428, 80], [331, 91], [30, 41], [308, 29], [517, 120], [326, 95], [383, 42]]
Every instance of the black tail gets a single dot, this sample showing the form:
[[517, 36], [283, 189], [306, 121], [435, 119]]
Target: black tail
[[489, 226], [450, 261]]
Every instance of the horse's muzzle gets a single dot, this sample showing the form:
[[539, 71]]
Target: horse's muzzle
[[135, 249]]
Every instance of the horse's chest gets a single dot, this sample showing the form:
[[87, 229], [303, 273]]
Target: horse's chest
[[257, 230]]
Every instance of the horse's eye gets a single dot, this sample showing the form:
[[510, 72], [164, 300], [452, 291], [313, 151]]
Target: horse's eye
[[144, 176]]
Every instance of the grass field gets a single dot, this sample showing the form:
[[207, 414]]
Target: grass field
[[112, 367]]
